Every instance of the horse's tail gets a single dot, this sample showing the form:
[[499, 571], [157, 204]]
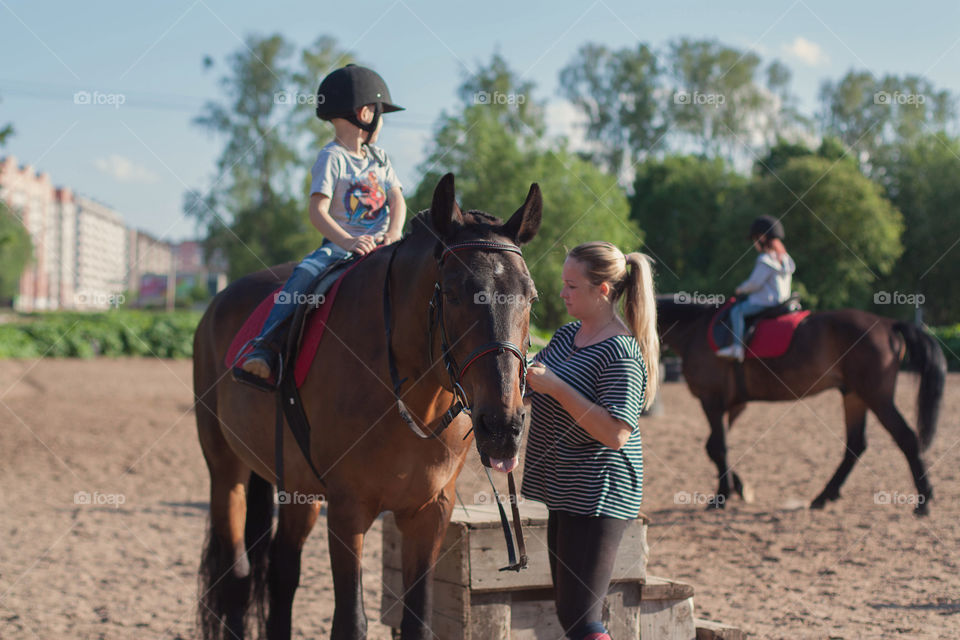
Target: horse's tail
[[926, 357], [221, 589]]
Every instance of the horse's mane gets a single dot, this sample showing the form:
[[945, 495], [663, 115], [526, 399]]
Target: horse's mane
[[474, 220], [669, 307]]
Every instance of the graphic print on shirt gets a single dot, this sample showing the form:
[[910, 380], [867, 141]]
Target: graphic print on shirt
[[365, 201]]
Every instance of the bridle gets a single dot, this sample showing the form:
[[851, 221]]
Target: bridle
[[460, 403]]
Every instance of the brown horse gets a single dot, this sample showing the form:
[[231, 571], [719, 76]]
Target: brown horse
[[854, 351], [370, 461]]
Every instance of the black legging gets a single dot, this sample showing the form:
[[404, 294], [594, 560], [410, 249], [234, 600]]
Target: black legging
[[582, 554]]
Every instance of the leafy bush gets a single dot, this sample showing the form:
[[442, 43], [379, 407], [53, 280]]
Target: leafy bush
[[949, 338], [113, 334]]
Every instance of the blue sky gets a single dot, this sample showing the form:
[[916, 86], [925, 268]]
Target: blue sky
[[141, 156]]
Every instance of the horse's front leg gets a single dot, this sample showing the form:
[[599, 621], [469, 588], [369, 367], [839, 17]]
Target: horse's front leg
[[347, 522], [423, 533]]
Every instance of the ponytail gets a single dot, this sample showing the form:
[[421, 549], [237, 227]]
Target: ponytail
[[631, 278], [640, 312]]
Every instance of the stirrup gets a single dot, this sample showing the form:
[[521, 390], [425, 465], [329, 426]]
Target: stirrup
[[262, 384]]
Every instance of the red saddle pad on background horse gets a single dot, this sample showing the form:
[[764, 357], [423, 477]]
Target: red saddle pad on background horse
[[770, 338], [313, 332]]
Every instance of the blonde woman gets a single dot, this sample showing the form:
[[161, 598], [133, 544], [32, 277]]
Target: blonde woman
[[584, 457]]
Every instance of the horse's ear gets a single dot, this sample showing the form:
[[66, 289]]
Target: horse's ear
[[444, 211], [525, 223]]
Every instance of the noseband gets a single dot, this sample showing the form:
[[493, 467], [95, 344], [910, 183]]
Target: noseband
[[461, 403]]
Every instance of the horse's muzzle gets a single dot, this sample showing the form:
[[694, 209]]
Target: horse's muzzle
[[498, 434]]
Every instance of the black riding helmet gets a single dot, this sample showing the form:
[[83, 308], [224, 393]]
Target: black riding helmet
[[347, 89], [766, 226]]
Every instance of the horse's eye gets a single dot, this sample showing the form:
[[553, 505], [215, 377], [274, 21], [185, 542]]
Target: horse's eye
[[451, 296]]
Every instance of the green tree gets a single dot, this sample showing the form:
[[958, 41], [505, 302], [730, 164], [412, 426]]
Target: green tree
[[16, 251], [271, 133], [258, 155], [618, 92], [842, 232], [699, 94], [263, 235], [684, 205], [923, 184], [315, 62], [874, 114], [496, 155], [6, 131], [783, 151], [718, 98]]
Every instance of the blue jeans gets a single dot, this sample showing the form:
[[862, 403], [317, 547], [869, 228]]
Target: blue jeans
[[738, 313], [310, 267]]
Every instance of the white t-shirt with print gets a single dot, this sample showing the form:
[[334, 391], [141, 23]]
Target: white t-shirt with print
[[357, 187]]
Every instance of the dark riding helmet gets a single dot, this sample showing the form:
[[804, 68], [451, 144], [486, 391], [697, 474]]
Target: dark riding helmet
[[347, 89], [766, 226]]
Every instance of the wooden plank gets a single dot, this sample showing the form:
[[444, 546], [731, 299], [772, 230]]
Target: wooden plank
[[633, 554], [710, 630], [534, 620], [452, 564], [487, 516], [490, 615], [622, 610], [657, 588], [487, 556], [667, 619], [450, 606], [392, 542]]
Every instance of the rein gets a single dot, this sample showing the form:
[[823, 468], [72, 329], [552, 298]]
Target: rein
[[460, 403]]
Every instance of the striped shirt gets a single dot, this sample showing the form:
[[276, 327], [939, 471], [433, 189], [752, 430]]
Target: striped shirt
[[565, 467]]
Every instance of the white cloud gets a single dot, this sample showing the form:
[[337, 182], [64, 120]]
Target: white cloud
[[807, 52], [123, 169]]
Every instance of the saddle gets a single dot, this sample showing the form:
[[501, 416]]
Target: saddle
[[297, 339], [767, 334]]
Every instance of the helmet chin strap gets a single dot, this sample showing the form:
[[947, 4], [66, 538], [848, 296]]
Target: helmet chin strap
[[371, 126]]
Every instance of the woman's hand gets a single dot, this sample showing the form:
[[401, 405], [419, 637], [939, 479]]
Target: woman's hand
[[542, 380]]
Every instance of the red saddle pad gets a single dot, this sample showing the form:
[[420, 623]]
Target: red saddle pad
[[772, 336], [313, 332]]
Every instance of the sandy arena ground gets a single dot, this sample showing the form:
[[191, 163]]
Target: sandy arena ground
[[125, 565]]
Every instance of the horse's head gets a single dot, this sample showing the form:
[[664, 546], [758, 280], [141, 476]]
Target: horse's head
[[485, 293]]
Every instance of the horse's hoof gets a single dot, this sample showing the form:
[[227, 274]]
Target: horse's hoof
[[746, 493], [818, 504], [921, 510], [717, 502]]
